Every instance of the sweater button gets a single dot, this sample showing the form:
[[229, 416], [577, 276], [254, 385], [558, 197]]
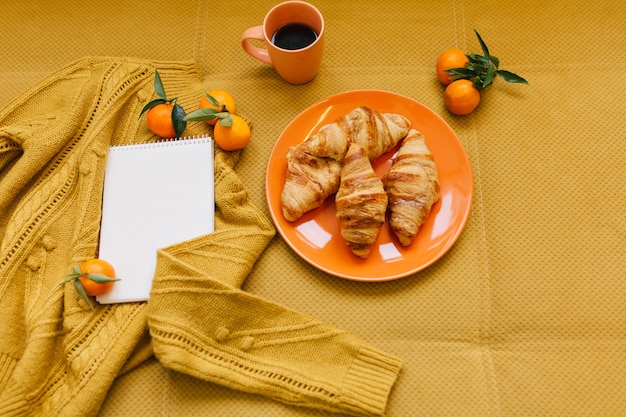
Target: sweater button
[[32, 264], [85, 168], [49, 243], [221, 334], [247, 343], [141, 96]]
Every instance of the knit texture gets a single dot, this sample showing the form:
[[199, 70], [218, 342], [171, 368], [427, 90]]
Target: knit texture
[[204, 325], [57, 357]]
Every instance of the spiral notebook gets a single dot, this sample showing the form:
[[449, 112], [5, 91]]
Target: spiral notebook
[[155, 195]]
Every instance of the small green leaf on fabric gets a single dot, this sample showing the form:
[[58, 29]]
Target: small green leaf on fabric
[[482, 44], [511, 77], [158, 86], [81, 290]]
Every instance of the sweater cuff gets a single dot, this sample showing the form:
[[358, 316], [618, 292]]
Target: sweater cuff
[[369, 381]]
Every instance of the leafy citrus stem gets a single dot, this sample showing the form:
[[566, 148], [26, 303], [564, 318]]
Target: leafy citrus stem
[[483, 69]]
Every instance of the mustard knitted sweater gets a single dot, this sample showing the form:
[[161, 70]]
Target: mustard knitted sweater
[[57, 357]]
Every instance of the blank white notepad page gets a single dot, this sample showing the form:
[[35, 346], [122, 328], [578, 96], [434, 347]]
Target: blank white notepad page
[[155, 195]]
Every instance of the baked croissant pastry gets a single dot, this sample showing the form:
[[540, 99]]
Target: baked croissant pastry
[[313, 166], [376, 133], [361, 202], [309, 181], [412, 186]]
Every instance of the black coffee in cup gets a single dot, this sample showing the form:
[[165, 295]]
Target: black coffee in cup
[[294, 36]]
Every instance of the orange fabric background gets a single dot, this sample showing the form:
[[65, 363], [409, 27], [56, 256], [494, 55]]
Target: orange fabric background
[[525, 315]]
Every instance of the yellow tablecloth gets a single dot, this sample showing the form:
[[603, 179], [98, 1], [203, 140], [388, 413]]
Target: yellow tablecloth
[[525, 314]]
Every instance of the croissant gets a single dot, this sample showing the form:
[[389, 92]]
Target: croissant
[[361, 202], [412, 186], [313, 166], [377, 133], [309, 181]]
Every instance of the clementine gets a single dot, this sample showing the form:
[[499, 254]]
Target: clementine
[[233, 137], [93, 285], [461, 97], [225, 101], [160, 120], [448, 59]]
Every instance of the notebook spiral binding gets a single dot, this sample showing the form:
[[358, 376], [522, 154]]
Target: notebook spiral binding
[[163, 143]]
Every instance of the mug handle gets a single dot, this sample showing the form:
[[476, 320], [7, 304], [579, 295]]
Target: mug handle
[[255, 32]]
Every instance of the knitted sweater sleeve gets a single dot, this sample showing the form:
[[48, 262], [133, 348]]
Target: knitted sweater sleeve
[[204, 325]]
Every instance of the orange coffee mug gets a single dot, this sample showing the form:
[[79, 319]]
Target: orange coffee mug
[[293, 33]]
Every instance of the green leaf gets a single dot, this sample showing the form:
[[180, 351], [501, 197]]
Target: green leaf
[[488, 80], [101, 278], [480, 60], [482, 44], [495, 60], [158, 86], [81, 290], [212, 100], [72, 277], [178, 119], [203, 114], [226, 121], [510, 77], [151, 105], [481, 69], [464, 72]]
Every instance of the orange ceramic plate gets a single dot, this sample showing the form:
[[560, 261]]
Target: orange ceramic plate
[[316, 236]]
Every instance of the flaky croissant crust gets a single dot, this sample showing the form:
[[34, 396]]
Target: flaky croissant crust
[[412, 185], [375, 132], [313, 166], [361, 202], [309, 181]]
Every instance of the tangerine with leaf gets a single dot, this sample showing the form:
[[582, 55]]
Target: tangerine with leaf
[[482, 69], [234, 136], [465, 76], [230, 131], [219, 100], [92, 277], [165, 118]]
